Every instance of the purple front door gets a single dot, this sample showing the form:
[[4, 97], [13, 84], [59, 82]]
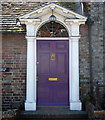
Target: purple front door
[[52, 72]]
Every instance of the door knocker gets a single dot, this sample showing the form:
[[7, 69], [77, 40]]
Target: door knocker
[[52, 57]]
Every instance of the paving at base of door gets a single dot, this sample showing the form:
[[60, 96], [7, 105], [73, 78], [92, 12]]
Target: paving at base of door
[[52, 113]]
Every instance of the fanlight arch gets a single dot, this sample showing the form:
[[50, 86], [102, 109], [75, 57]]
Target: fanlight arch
[[52, 29]]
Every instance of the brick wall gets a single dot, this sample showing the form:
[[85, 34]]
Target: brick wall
[[0, 76], [104, 45], [84, 68], [97, 46], [14, 58]]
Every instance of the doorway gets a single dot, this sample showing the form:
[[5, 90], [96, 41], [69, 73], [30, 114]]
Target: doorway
[[52, 72]]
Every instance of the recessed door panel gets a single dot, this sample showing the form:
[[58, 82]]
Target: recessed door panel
[[45, 46], [60, 63], [45, 63]]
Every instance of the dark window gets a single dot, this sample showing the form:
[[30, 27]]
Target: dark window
[[52, 29]]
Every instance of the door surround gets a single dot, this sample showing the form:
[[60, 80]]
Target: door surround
[[68, 19], [74, 102]]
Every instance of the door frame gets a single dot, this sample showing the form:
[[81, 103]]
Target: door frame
[[74, 102]]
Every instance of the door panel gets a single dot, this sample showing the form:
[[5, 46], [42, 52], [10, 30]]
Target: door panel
[[45, 46], [60, 63], [53, 63], [45, 63]]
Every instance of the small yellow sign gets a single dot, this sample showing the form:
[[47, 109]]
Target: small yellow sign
[[52, 79]]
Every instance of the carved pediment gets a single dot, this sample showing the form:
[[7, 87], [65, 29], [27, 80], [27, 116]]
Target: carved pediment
[[46, 11]]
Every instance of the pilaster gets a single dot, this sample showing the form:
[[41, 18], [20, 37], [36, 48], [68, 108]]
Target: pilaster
[[30, 103], [75, 103]]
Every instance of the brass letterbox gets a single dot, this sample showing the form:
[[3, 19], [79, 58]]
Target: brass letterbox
[[52, 79]]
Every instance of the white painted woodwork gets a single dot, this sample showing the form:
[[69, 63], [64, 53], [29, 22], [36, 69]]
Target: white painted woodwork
[[30, 103], [75, 103], [34, 20], [53, 38]]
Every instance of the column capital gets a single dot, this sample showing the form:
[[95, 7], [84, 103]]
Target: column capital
[[74, 38], [30, 38]]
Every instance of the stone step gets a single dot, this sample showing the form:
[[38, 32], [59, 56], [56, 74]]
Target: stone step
[[52, 113], [52, 119]]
